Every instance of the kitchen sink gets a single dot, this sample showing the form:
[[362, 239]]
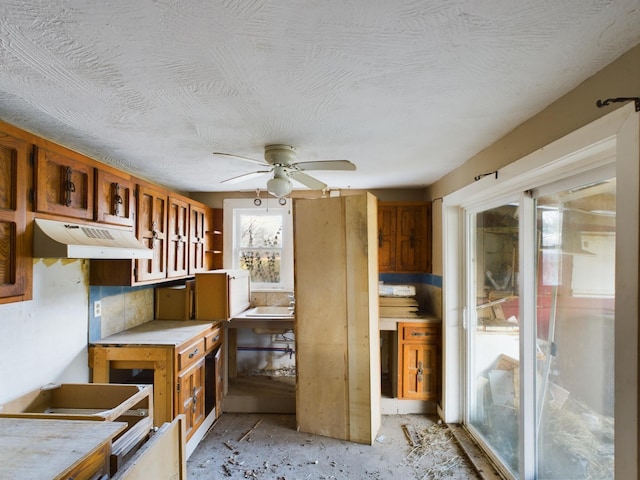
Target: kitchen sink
[[269, 312]]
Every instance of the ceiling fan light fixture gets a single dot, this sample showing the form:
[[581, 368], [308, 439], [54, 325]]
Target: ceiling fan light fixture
[[279, 187]]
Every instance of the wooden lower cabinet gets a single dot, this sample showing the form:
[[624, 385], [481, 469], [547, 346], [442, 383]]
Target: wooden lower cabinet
[[418, 361], [176, 357]]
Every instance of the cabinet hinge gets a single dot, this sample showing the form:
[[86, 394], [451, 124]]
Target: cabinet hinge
[[32, 195], [178, 386]]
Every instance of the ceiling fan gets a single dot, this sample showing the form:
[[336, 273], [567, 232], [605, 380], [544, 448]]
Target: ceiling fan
[[280, 159]]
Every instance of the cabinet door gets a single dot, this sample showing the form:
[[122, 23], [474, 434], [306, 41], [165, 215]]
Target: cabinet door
[[411, 246], [191, 396], [198, 226], [177, 234], [114, 199], [386, 238], [152, 232], [64, 186], [419, 371], [15, 261]]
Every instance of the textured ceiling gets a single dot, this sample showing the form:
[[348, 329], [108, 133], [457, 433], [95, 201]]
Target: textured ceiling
[[405, 89]]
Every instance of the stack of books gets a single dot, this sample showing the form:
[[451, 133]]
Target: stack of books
[[397, 301]]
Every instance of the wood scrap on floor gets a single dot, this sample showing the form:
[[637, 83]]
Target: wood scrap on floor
[[250, 430]]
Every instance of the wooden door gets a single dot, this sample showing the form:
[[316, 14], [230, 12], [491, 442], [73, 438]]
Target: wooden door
[[177, 238], [190, 400], [15, 244], [337, 336], [199, 220], [387, 238], [114, 202], [64, 186], [152, 232]]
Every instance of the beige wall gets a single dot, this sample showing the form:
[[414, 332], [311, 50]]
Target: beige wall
[[216, 199], [621, 78]]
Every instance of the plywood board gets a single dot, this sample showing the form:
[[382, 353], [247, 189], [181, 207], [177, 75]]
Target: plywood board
[[163, 456], [35, 448], [321, 403], [337, 338]]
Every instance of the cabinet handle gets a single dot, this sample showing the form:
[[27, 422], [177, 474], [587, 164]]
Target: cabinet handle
[[379, 238], [419, 334], [69, 186], [194, 353], [154, 232], [419, 373], [117, 199]]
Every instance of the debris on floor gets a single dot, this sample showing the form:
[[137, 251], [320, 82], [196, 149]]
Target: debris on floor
[[271, 447], [434, 453]]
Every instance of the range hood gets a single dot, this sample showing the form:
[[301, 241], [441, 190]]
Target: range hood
[[56, 239]]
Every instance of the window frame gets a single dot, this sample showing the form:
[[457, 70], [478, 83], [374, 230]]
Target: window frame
[[233, 208]]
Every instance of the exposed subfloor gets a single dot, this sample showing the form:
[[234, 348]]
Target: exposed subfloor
[[267, 446]]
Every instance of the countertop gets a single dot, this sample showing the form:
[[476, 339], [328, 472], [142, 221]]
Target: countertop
[[391, 323], [158, 332]]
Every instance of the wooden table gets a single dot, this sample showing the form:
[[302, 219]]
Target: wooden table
[[33, 449]]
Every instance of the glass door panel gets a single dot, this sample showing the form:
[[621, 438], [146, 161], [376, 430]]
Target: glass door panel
[[494, 332], [575, 333]]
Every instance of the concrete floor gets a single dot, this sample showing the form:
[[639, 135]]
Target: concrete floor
[[275, 450]]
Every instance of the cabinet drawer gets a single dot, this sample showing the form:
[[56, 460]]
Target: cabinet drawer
[[191, 354], [420, 333], [213, 339]]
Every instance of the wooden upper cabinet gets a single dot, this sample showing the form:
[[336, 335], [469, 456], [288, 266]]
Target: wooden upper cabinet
[[177, 237], [64, 186], [404, 237], [151, 230], [199, 225], [115, 201], [15, 243]]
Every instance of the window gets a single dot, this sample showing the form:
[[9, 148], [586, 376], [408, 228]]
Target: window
[[261, 240]]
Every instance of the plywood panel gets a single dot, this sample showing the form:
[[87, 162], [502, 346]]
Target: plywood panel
[[336, 324], [321, 403]]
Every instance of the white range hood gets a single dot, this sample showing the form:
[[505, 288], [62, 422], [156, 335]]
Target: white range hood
[[56, 239]]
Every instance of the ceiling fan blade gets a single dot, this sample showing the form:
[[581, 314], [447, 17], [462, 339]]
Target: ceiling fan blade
[[244, 176], [326, 165], [239, 157], [307, 180]]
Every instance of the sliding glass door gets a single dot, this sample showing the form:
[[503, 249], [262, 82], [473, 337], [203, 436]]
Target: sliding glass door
[[494, 333], [575, 332], [540, 329]]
